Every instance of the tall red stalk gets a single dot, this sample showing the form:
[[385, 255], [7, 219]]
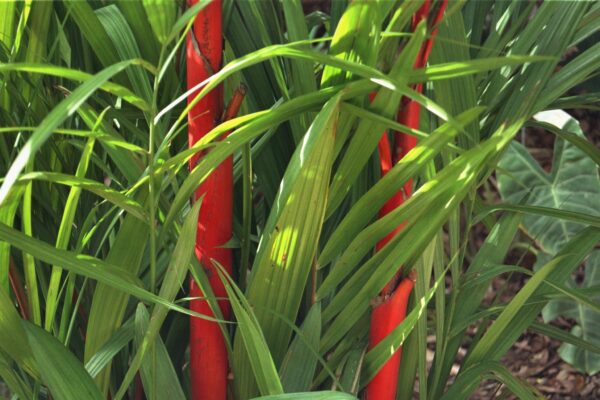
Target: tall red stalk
[[208, 353], [390, 310]]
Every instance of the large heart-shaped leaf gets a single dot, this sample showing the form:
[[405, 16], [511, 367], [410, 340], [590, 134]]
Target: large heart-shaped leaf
[[588, 320], [572, 184]]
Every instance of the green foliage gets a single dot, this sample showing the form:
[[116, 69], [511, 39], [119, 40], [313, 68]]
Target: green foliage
[[97, 231], [61, 371], [587, 319], [573, 184]]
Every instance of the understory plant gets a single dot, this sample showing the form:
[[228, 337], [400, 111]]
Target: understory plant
[[321, 213]]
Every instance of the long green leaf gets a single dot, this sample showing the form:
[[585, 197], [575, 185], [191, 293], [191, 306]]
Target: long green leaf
[[173, 280], [13, 340], [80, 76], [58, 115], [468, 382], [61, 371], [84, 265], [255, 345], [325, 395], [516, 316], [158, 375], [111, 195], [287, 248]]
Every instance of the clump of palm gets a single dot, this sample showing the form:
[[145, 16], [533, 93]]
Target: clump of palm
[[97, 231]]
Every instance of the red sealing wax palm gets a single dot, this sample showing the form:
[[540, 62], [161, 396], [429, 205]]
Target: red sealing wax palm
[[208, 353]]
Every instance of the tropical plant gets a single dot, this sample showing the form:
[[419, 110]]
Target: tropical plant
[[97, 230]]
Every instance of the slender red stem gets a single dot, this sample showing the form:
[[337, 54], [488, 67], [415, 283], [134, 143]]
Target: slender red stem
[[208, 353], [18, 290], [391, 311], [139, 388], [409, 114]]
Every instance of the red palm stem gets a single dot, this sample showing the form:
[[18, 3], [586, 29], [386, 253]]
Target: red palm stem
[[208, 353], [391, 311], [387, 316]]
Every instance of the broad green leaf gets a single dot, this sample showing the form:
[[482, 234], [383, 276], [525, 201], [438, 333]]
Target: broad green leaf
[[353, 367], [60, 370], [588, 321], [93, 31], [572, 185], [127, 48], [158, 375], [13, 341], [161, 15], [568, 216], [287, 248], [573, 138], [111, 348], [299, 365], [254, 344], [354, 40]]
